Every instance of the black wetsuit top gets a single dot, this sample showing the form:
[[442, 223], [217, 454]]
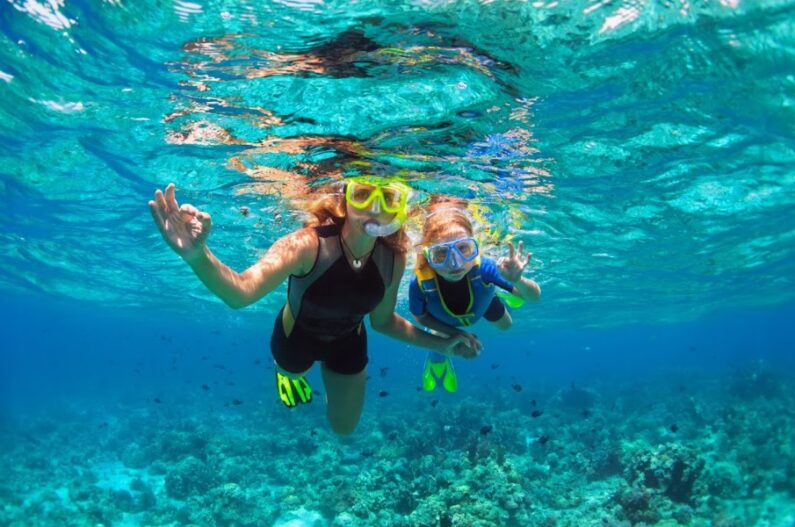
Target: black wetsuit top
[[457, 297], [332, 298]]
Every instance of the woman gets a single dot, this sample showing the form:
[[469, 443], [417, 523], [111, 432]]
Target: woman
[[454, 285], [346, 263]]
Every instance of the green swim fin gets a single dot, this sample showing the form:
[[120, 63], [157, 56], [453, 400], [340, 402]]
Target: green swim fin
[[293, 392], [439, 371]]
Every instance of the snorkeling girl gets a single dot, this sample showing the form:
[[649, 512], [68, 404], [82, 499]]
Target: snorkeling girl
[[345, 263], [454, 285]]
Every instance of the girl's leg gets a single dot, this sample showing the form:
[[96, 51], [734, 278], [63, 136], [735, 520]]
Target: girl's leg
[[345, 398], [504, 322]]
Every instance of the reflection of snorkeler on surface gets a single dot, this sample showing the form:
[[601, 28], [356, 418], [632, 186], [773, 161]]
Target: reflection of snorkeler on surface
[[345, 264]]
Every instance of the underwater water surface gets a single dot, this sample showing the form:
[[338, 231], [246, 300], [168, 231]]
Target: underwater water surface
[[642, 150]]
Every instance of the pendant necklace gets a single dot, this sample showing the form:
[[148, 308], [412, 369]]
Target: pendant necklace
[[357, 262]]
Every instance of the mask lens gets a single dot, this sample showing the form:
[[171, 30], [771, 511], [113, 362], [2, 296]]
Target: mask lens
[[392, 198], [468, 248], [438, 254], [360, 193]]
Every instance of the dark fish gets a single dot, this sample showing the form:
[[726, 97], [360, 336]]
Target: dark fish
[[495, 366], [104, 424], [517, 387], [533, 402], [485, 430], [244, 211], [673, 428], [257, 362], [313, 432], [157, 400], [543, 439], [419, 388], [205, 387], [368, 453], [434, 403], [392, 436], [383, 393], [383, 371], [692, 348], [537, 413], [230, 383], [219, 366], [316, 392], [237, 402], [204, 357], [586, 413]]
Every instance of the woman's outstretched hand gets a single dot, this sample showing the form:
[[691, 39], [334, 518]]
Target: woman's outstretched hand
[[184, 228]]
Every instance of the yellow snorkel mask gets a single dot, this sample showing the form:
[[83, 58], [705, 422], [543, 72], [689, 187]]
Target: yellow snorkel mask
[[379, 194]]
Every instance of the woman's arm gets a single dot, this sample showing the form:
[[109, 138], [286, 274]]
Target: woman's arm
[[291, 254], [384, 320], [186, 229]]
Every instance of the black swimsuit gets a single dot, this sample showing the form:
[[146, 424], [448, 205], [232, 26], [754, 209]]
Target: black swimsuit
[[329, 304]]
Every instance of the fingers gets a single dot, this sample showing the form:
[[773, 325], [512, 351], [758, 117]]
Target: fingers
[[157, 214], [171, 199], [511, 251]]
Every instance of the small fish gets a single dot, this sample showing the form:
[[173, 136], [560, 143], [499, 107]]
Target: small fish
[[516, 387], [204, 357], [533, 402], [485, 430], [542, 440], [244, 211], [104, 424], [219, 366], [383, 371], [237, 402], [434, 403], [392, 436], [383, 393], [205, 387], [257, 362], [230, 383], [157, 400], [367, 453], [469, 114], [586, 413], [673, 428], [537, 413], [495, 366], [313, 433]]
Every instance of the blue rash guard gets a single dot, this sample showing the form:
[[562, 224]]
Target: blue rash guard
[[425, 295]]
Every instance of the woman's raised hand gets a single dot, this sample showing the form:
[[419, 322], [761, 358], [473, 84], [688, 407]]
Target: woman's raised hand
[[184, 228]]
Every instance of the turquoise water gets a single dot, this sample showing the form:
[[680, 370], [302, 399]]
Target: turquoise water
[[643, 151]]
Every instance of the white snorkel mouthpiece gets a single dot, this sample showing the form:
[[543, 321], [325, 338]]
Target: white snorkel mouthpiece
[[375, 229]]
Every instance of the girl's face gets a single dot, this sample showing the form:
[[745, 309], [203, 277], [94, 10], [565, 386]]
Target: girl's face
[[448, 273]]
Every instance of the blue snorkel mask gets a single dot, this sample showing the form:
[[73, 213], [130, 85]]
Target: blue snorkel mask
[[452, 255]]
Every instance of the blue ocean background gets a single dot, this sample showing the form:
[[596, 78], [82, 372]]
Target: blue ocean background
[[642, 150]]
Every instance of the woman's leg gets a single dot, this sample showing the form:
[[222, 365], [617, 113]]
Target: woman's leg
[[345, 398]]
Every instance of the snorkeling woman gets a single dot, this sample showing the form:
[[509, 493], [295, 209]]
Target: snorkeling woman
[[347, 262], [453, 285]]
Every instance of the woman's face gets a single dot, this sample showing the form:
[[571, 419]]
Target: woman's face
[[359, 217], [454, 274]]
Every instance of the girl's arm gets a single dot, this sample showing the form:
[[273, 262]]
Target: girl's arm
[[384, 320]]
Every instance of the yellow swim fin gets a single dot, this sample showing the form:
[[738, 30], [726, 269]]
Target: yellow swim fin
[[293, 392], [439, 371]]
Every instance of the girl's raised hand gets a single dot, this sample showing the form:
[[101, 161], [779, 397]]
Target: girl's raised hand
[[512, 266]]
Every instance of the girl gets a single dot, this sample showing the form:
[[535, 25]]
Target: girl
[[453, 285]]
